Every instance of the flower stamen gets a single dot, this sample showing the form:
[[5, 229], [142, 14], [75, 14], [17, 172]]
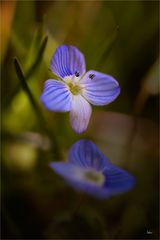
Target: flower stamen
[[94, 177], [74, 88]]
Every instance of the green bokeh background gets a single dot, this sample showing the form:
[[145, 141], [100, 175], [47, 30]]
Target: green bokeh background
[[120, 38]]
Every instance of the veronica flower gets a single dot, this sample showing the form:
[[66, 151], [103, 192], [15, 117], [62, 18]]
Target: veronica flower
[[76, 88], [90, 171]]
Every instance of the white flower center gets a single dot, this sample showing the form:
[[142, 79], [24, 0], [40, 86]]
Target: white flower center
[[94, 177], [73, 84], [74, 88]]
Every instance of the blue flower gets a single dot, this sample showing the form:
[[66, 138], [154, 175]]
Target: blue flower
[[76, 89], [90, 171]]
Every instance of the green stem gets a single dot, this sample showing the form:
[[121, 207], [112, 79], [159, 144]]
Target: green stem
[[26, 88], [108, 47], [81, 199], [136, 112], [30, 71], [35, 106], [39, 56]]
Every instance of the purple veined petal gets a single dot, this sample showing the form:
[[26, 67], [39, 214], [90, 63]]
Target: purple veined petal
[[67, 60], [117, 180], [111, 180], [80, 113], [72, 172], [56, 96], [67, 170], [85, 153], [74, 176], [98, 88]]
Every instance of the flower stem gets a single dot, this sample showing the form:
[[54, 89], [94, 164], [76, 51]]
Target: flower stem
[[78, 205], [35, 106], [108, 47], [37, 60], [26, 88], [30, 71], [136, 111]]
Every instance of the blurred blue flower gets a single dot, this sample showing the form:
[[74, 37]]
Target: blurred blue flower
[[90, 171], [76, 89]]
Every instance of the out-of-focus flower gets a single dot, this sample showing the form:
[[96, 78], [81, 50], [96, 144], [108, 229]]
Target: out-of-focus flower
[[90, 171], [76, 89]]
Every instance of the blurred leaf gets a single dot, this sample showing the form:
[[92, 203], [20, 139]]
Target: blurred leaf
[[36, 107], [20, 111], [24, 85], [31, 138], [31, 70], [49, 51], [152, 80], [149, 86], [38, 58], [7, 13], [34, 47], [20, 156]]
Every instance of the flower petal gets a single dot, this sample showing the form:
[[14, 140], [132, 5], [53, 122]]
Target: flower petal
[[80, 113], [67, 170], [85, 153], [117, 180], [67, 60], [90, 171], [74, 176], [56, 96], [99, 88]]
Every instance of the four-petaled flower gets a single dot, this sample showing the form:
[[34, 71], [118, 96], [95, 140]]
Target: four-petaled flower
[[76, 89], [90, 171]]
